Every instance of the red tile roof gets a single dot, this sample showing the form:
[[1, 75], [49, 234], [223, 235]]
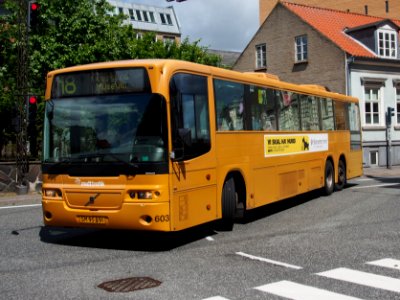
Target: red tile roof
[[332, 24]]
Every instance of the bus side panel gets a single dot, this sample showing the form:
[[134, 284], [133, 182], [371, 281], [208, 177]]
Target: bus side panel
[[354, 164], [193, 195]]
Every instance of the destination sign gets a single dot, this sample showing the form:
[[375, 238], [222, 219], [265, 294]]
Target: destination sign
[[100, 82]]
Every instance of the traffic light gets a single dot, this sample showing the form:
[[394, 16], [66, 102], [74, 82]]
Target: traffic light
[[33, 14], [390, 114], [32, 110]]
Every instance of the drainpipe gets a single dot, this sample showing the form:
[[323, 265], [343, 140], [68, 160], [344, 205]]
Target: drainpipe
[[349, 60]]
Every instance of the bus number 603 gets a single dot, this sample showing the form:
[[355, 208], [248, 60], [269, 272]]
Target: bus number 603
[[162, 218]]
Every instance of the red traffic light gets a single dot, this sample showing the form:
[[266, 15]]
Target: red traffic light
[[32, 100], [34, 6]]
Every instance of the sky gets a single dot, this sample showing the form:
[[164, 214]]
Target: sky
[[219, 24]]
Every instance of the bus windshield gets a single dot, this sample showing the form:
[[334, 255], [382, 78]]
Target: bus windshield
[[128, 129]]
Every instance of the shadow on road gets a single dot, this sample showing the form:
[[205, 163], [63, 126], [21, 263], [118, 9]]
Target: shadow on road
[[384, 180], [124, 239]]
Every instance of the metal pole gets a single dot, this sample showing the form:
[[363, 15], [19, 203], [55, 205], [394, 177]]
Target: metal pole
[[21, 96]]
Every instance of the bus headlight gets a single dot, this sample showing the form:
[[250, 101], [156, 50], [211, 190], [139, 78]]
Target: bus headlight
[[146, 195]]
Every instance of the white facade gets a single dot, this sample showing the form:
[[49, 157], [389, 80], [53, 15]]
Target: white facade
[[145, 18], [383, 83]]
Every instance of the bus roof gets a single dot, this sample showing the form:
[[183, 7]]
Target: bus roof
[[171, 65]]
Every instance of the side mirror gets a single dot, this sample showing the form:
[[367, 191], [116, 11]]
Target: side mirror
[[184, 139]]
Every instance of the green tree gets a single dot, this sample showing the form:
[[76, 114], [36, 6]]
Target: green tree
[[75, 32]]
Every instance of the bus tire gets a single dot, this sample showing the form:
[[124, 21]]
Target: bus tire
[[329, 178], [228, 203], [342, 178]]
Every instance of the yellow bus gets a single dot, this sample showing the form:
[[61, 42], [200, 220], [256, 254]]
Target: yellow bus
[[165, 145]]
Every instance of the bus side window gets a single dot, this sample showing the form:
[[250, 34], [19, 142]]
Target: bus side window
[[309, 113], [263, 110], [190, 115], [229, 105], [341, 118], [289, 114], [328, 122]]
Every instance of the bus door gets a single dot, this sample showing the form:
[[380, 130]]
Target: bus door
[[193, 163]]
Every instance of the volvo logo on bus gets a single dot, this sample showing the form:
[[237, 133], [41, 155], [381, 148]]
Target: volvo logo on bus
[[91, 199]]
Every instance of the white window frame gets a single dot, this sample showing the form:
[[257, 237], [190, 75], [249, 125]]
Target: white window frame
[[301, 48], [376, 154], [261, 56], [386, 43], [397, 106], [371, 101]]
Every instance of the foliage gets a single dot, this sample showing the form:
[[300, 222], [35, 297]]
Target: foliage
[[74, 32]]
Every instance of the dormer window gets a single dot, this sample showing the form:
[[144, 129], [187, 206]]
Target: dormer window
[[387, 43]]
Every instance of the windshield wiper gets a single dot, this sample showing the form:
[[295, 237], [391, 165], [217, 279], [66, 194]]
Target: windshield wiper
[[90, 156], [63, 160]]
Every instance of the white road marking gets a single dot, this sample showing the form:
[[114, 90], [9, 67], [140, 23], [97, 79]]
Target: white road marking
[[297, 291], [209, 238], [386, 263], [364, 278], [274, 262], [362, 179], [216, 298], [372, 186], [20, 206]]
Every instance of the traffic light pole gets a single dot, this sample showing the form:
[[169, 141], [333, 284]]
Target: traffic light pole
[[21, 98], [389, 115]]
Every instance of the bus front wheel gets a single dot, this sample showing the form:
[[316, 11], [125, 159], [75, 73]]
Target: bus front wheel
[[229, 196], [329, 178]]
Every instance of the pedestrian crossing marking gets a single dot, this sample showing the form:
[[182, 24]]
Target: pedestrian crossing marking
[[296, 291], [386, 263], [363, 278]]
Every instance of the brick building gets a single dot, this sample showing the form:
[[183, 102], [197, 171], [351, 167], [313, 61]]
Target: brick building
[[348, 53], [382, 8]]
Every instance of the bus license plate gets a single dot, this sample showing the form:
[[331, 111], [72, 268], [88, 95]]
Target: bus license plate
[[92, 220]]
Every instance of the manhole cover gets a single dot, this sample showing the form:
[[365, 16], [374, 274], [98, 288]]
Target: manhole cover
[[129, 284]]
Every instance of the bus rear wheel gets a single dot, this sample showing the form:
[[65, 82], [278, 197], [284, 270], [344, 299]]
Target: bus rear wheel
[[329, 181], [342, 178]]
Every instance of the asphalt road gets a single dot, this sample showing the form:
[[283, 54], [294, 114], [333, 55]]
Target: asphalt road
[[331, 246]]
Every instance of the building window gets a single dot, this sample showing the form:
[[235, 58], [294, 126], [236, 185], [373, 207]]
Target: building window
[[169, 20], [131, 15], [145, 16], [261, 56], [139, 15], [387, 43], [398, 105], [168, 39], [373, 158], [152, 19], [120, 10], [372, 97], [162, 16], [301, 48]]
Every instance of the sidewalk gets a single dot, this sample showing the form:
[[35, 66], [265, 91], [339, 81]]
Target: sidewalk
[[383, 172], [11, 199]]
